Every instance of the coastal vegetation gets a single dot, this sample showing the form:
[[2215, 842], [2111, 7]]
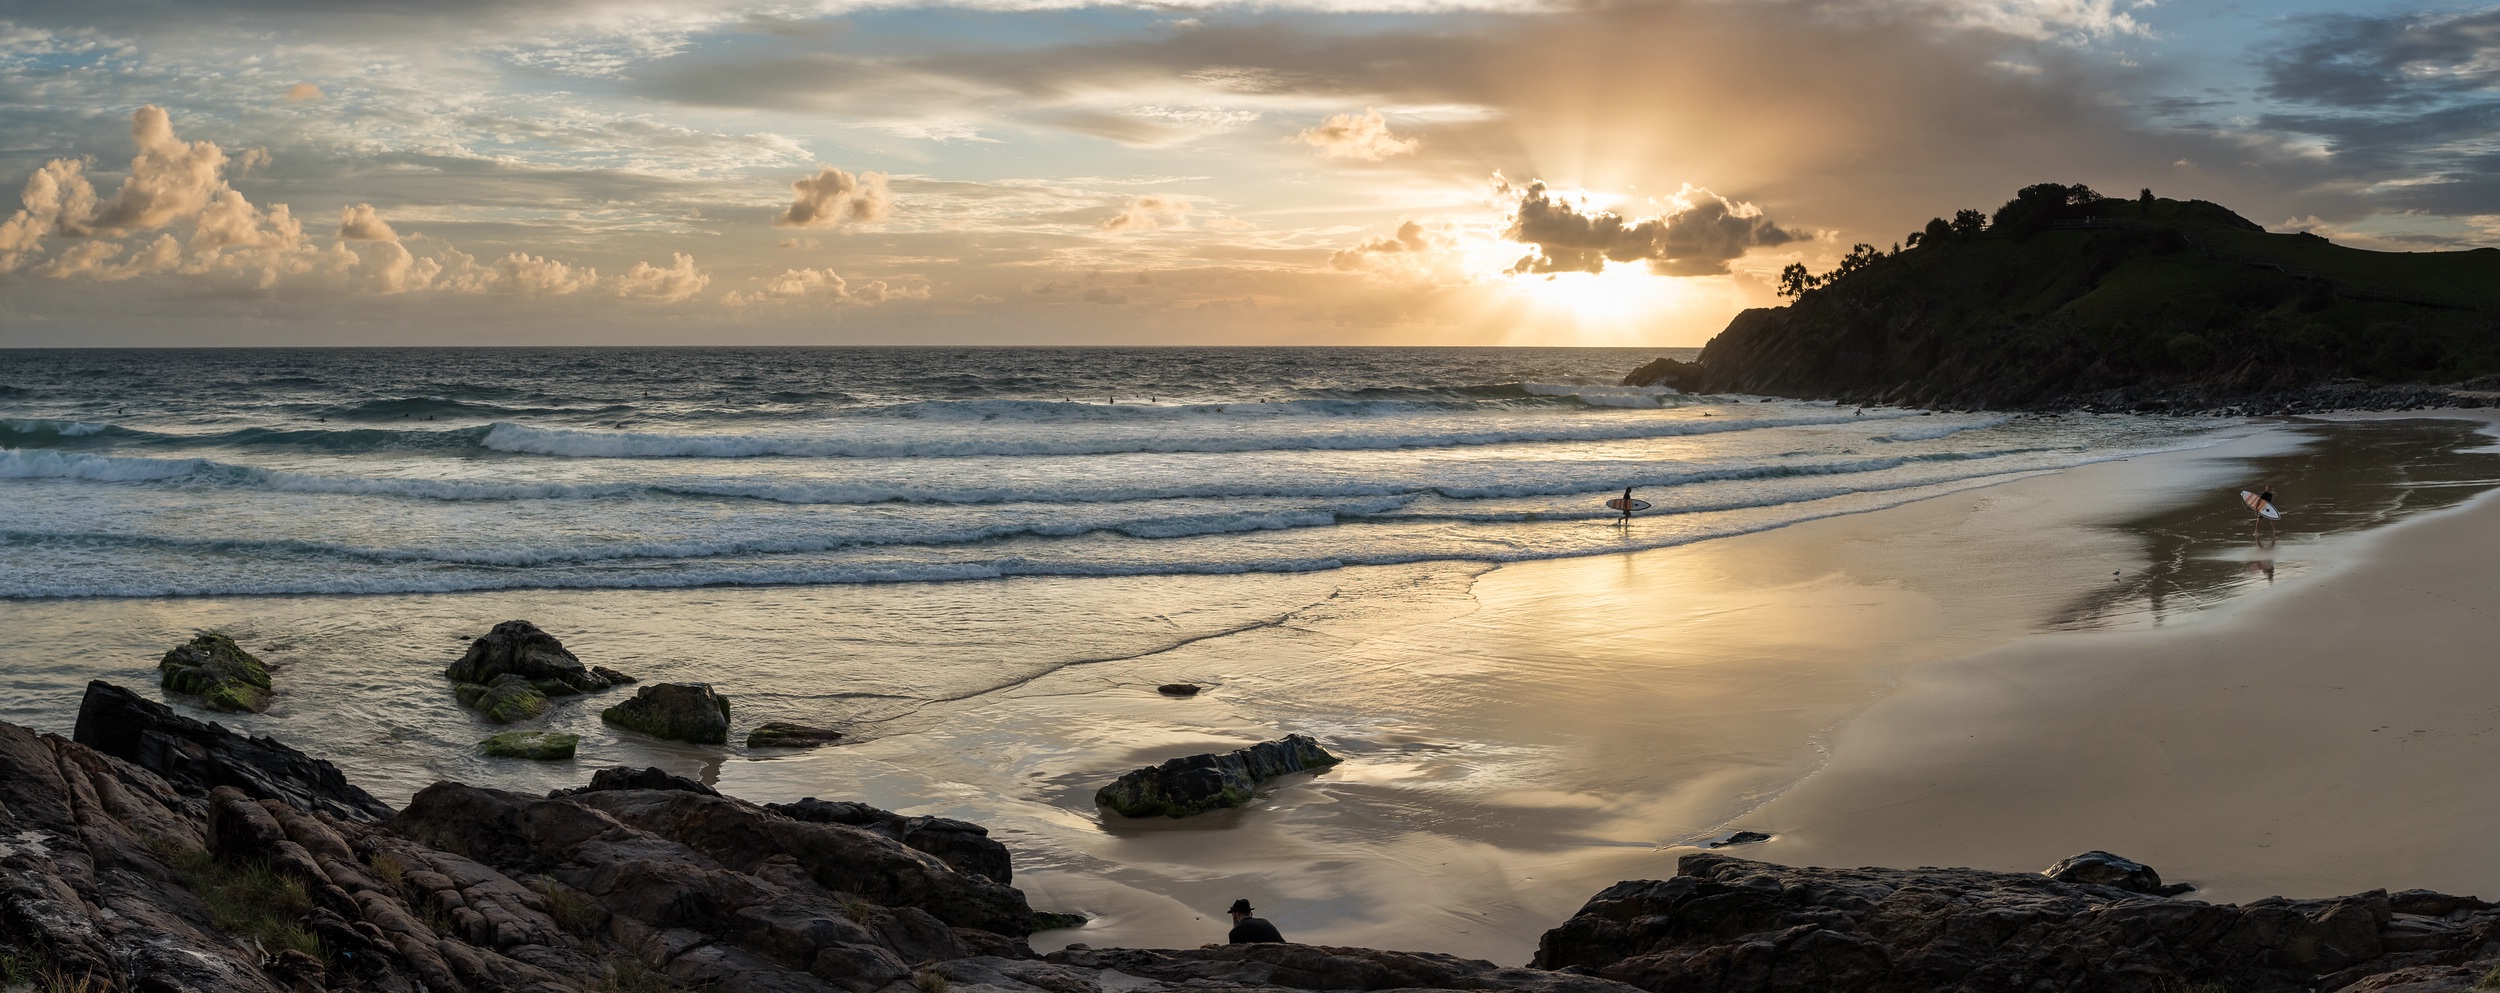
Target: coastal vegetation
[[2063, 293]]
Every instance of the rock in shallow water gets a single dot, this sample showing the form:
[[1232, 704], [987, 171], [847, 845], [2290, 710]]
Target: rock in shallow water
[[521, 649], [541, 745], [507, 699], [782, 734], [219, 672], [2104, 869], [688, 712], [1178, 689], [1198, 783]]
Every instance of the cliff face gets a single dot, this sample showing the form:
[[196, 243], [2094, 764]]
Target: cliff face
[[2110, 298]]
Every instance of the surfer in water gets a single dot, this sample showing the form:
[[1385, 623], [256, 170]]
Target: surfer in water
[[1627, 505], [2265, 502]]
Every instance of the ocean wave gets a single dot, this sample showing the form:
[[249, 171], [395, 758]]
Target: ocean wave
[[407, 408], [584, 443], [1936, 431], [634, 575], [1559, 479], [16, 433]]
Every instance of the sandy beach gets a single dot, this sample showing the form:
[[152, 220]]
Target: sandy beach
[[2331, 738], [1997, 676]]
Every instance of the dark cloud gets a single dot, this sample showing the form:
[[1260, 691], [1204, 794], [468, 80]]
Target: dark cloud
[[1698, 236], [2406, 60]]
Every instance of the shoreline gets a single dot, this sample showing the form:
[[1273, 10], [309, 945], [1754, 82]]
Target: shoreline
[[2289, 745], [1518, 737]]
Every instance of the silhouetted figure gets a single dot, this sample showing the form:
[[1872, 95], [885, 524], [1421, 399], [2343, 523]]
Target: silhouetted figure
[[1248, 930], [1627, 505], [2265, 502]]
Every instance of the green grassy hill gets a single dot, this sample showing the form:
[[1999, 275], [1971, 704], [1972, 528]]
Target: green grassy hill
[[2064, 295]]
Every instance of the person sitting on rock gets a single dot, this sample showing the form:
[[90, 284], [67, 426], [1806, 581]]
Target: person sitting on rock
[[1250, 930]]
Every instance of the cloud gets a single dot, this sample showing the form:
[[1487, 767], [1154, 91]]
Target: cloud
[[822, 286], [1153, 212], [1350, 136], [1409, 239], [169, 180], [361, 223], [1698, 234], [680, 281], [301, 92], [2403, 60], [832, 198]]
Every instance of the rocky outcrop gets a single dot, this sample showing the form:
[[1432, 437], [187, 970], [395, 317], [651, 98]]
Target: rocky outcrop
[[963, 845], [1318, 967], [543, 746], [782, 734], [1680, 376], [1198, 783], [1727, 924], [519, 648], [219, 672], [200, 757], [688, 712]]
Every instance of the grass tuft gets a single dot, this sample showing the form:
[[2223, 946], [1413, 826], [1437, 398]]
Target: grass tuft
[[2490, 980], [391, 871], [627, 974], [930, 981], [246, 898], [570, 910]]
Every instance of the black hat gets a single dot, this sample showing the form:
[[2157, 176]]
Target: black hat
[[1239, 907]]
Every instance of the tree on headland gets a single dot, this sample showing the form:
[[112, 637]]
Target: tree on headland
[[1795, 281], [2147, 198], [1968, 223]]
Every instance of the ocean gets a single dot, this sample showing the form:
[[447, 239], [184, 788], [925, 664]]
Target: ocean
[[189, 473]]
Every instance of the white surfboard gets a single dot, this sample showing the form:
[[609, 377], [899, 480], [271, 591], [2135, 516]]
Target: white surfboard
[[2258, 504]]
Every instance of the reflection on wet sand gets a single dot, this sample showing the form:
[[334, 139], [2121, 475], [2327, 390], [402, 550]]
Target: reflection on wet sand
[[2345, 478]]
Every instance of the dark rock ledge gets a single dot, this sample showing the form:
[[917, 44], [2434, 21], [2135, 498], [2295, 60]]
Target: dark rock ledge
[[177, 856]]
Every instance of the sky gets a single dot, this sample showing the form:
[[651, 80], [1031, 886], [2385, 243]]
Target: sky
[[1192, 172]]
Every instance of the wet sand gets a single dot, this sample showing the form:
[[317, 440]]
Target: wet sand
[[1517, 738], [2333, 738]]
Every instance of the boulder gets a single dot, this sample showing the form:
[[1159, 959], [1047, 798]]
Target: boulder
[[962, 845], [200, 757], [1323, 967], [2104, 869], [506, 699], [1725, 923], [1197, 783], [1044, 920], [217, 671], [540, 745], [688, 712], [1741, 838], [646, 778], [782, 734], [521, 649], [1178, 689]]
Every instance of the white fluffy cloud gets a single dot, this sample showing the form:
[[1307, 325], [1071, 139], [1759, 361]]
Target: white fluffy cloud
[[832, 198], [1364, 136], [173, 184], [822, 286], [1697, 234]]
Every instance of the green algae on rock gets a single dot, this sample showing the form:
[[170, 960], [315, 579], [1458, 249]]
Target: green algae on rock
[[688, 712], [219, 672], [503, 700], [1198, 783], [540, 745]]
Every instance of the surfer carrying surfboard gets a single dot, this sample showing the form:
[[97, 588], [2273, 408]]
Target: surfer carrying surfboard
[[1627, 505], [2263, 503]]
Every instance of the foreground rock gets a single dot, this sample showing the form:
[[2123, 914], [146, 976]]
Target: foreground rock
[[509, 674], [219, 672], [782, 734], [688, 712], [963, 845], [1729, 924], [544, 746], [1198, 783], [199, 757], [1322, 967]]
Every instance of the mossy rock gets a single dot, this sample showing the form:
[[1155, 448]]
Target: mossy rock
[[507, 699], [1044, 920], [217, 671], [688, 712], [540, 745]]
